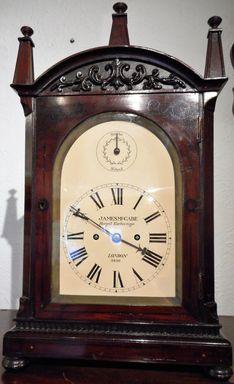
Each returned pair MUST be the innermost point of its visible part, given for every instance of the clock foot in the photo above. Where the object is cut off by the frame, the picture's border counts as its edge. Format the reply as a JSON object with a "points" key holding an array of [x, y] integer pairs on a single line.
{"points": [[14, 363], [222, 373]]}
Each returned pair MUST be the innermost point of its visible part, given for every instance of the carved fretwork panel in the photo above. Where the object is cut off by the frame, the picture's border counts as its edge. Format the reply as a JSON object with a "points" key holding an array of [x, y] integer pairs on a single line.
{"points": [[117, 329], [118, 76]]}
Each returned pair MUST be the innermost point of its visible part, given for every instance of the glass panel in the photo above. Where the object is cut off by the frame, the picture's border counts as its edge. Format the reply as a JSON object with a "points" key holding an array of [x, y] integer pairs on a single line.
{"points": [[115, 237]]}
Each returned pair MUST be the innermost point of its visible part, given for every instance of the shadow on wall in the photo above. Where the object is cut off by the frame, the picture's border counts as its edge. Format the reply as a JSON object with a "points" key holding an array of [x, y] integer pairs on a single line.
{"points": [[232, 60], [13, 233]]}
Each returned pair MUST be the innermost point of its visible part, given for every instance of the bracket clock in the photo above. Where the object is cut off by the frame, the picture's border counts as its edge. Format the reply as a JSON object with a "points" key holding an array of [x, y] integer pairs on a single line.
{"points": [[118, 241]]}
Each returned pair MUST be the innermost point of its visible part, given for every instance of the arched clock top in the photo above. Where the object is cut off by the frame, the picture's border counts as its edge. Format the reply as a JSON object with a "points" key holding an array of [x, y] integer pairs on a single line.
{"points": [[120, 67]]}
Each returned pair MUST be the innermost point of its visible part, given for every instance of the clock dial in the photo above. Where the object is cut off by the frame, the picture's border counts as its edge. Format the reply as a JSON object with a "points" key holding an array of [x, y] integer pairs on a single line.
{"points": [[116, 214], [116, 151], [117, 237]]}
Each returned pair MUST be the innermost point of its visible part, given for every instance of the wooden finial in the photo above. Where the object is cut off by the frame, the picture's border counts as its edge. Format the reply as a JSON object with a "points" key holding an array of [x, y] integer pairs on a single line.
{"points": [[24, 69], [214, 22], [214, 56], [27, 31], [120, 8], [119, 31]]}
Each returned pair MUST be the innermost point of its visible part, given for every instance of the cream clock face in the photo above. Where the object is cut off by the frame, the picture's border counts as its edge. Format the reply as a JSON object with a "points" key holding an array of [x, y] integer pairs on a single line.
{"points": [[116, 238], [116, 215]]}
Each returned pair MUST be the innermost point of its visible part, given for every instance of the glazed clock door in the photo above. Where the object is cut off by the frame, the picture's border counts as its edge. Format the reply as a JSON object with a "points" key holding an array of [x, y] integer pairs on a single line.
{"points": [[115, 224]]}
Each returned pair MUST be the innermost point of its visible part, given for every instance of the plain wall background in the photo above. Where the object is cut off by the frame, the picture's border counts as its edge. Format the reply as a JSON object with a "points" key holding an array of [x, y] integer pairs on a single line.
{"points": [[177, 27]]}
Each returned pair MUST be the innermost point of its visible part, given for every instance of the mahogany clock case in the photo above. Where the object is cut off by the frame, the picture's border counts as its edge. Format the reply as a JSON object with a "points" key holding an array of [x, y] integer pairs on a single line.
{"points": [[117, 82]]}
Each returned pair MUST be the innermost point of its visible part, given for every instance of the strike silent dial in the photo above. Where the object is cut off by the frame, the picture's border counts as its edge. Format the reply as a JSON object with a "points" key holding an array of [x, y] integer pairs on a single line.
{"points": [[116, 151]]}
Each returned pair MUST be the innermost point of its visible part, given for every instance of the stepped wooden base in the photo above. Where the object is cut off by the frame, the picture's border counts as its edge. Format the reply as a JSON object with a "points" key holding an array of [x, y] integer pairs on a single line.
{"points": [[212, 353]]}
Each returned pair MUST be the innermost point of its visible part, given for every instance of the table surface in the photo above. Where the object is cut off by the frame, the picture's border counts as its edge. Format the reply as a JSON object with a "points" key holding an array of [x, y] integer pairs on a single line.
{"points": [[64, 372]]}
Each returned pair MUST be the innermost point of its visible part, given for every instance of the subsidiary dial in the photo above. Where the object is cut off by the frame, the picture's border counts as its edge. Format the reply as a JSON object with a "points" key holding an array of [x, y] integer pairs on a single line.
{"points": [[116, 151]]}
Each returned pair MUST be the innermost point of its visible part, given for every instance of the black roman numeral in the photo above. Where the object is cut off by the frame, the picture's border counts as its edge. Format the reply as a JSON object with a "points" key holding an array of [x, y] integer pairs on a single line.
{"points": [[75, 236], [138, 201], [97, 200], [94, 273], [151, 258], [136, 274], [152, 217], [117, 280], [117, 194], [79, 255], [157, 237]]}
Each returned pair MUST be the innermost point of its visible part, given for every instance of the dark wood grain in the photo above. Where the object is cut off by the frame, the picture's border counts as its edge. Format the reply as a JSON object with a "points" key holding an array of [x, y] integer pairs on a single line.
{"points": [[61, 371], [119, 30], [24, 70], [214, 59], [164, 92]]}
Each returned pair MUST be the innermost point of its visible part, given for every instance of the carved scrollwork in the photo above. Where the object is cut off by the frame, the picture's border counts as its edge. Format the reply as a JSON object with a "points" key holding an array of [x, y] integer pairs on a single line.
{"points": [[119, 75], [154, 81]]}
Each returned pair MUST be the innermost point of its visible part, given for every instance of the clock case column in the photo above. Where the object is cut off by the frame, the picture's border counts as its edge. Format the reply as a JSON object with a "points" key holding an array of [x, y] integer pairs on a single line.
{"points": [[182, 103]]}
